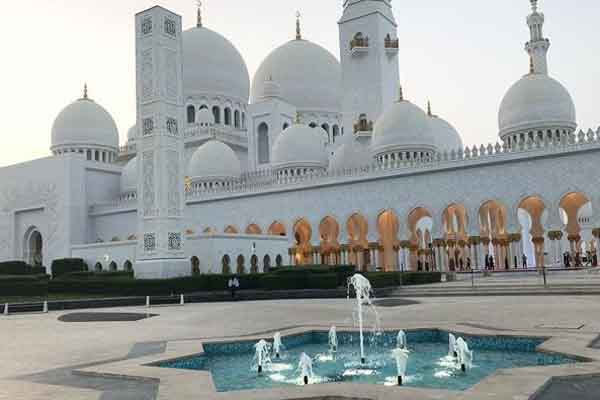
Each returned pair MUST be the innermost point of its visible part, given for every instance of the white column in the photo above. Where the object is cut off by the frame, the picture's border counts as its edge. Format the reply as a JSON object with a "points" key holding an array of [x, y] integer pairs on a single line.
{"points": [[159, 60]]}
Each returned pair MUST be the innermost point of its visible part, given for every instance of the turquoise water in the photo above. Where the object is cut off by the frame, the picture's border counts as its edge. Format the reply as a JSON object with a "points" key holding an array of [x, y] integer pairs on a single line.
{"points": [[429, 366]]}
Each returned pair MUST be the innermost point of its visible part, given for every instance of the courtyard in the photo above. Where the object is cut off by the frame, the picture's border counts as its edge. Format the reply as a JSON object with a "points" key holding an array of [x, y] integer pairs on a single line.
{"points": [[43, 357]]}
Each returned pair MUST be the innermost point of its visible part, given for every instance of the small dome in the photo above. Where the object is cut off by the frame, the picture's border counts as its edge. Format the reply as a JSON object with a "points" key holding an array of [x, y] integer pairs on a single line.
{"points": [[85, 123], [350, 156], [444, 134], [213, 65], [403, 126], [300, 145], [309, 76], [536, 101], [205, 117], [214, 160], [132, 133], [129, 176]]}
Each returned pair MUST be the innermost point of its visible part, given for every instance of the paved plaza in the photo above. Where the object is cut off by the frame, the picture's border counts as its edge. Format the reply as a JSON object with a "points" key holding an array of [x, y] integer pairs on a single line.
{"points": [[39, 352]]}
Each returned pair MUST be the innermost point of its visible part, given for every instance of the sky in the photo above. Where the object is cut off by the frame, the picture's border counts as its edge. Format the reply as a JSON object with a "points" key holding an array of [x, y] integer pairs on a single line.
{"points": [[463, 55]]}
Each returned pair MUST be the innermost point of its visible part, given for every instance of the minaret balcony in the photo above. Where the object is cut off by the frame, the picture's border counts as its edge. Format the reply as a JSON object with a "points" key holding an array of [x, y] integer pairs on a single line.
{"points": [[359, 45], [363, 128], [391, 46]]}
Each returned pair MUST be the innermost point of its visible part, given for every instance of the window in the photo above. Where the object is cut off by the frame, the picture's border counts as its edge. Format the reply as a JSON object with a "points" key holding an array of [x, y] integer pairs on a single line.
{"points": [[191, 114], [98, 267], [217, 114], [236, 119], [243, 120], [128, 266], [112, 266], [336, 132], [279, 260], [285, 126], [227, 116], [313, 125], [263, 143]]}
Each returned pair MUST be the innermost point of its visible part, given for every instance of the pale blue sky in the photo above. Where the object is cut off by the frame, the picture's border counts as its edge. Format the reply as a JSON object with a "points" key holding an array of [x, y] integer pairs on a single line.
{"points": [[461, 54]]}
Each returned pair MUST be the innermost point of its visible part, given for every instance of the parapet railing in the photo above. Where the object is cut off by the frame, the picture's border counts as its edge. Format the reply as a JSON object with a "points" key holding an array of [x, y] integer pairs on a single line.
{"points": [[267, 179]]}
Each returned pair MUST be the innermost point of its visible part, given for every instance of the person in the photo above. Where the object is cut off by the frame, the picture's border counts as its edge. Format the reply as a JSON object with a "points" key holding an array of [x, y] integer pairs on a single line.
{"points": [[487, 261], [492, 266], [236, 284], [577, 260], [461, 263], [468, 263], [516, 262], [231, 288], [524, 261], [506, 263], [419, 265]]}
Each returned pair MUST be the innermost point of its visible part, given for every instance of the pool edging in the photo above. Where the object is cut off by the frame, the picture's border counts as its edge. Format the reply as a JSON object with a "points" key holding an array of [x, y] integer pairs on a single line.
{"points": [[173, 382]]}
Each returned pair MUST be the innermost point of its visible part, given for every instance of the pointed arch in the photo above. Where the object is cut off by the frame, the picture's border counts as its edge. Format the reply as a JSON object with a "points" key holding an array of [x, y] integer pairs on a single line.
{"points": [[253, 229], [329, 231], [277, 229], [302, 241], [388, 227], [231, 230], [357, 228]]}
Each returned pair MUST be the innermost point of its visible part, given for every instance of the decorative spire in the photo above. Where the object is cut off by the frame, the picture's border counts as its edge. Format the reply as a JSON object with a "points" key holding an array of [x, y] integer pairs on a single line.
{"points": [[297, 121], [298, 30], [429, 108], [534, 5], [400, 93], [199, 21], [85, 92], [531, 65]]}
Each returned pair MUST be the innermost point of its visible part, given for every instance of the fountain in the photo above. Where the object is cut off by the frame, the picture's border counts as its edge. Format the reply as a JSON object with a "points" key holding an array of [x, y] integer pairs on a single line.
{"points": [[363, 290], [45, 307], [401, 357], [305, 366], [333, 343], [452, 346], [465, 356], [401, 340], [262, 354], [277, 345], [6, 309]]}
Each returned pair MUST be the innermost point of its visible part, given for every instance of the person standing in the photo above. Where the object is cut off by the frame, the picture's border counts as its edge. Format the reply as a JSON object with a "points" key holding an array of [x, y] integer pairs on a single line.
{"points": [[236, 284], [524, 261], [231, 288]]}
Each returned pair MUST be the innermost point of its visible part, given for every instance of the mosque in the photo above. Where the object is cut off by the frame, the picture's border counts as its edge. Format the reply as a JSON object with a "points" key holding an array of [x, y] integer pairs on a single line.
{"points": [[318, 160]]}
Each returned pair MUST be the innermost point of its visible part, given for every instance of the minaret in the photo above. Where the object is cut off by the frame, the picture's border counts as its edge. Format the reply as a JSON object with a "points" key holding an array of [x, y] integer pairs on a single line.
{"points": [[538, 46], [160, 113], [369, 59]]}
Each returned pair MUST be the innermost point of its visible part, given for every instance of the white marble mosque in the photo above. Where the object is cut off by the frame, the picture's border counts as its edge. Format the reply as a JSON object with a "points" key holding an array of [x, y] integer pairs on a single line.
{"points": [[321, 159]]}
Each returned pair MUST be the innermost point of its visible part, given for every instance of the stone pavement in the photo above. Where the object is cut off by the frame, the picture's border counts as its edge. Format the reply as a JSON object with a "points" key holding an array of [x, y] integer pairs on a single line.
{"points": [[37, 348]]}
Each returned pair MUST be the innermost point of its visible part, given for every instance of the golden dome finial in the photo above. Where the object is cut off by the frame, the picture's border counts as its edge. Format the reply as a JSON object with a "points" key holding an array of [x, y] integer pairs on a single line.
{"points": [[85, 91], [531, 65], [400, 93], [429, 108], [199, 17], [297, 121], [298, 30]]}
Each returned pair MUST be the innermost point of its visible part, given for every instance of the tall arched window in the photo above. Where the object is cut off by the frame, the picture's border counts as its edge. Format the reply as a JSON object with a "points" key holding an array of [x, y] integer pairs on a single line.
{"points": [[263, 143], [241, 268], [278, 260], [336, 132], [98, 267], [227, 116], [236, 119], [243, 120], [191, 114], [112, 266], [128, 266], [217, 114]]}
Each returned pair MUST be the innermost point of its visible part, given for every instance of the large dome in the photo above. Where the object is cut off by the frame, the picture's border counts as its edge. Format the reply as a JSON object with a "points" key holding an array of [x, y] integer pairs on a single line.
{"points": [[350, 156], [309, 77], [403, 126], [85, 123], [212, 65], [444, 134], [214, 160], [300, 145], [536, 101], [129, 176]]}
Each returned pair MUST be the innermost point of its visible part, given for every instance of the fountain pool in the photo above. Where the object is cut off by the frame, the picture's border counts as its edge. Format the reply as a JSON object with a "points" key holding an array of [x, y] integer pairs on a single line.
{"points": [[430, 366]]}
